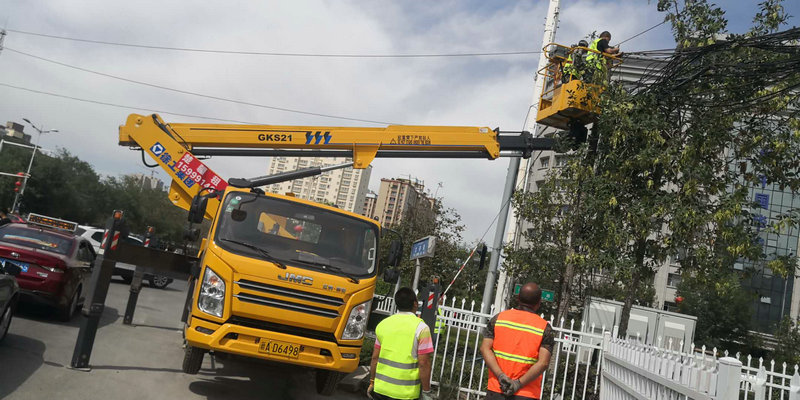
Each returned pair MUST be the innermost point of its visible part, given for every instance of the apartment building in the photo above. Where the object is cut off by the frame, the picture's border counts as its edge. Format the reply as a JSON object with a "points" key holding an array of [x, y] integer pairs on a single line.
{"points": [[345, 188], [396, 199]]}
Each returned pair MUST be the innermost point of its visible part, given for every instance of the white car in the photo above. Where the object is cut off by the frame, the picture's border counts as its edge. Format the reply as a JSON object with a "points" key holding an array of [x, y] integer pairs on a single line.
{"points": [[95, 236]]}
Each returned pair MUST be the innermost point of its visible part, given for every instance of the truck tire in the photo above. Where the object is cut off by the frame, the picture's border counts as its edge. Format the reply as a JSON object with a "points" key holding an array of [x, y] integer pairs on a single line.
{"points": [[192, 359], [327, 381]]}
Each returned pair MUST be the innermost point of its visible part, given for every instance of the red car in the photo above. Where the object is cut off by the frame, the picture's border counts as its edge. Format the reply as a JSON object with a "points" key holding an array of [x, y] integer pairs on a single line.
{"points": [[55, 263]]}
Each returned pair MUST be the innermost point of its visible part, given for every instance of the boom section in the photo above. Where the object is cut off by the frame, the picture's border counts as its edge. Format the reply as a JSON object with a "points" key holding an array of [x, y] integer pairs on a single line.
{"points": [[364, 143]]}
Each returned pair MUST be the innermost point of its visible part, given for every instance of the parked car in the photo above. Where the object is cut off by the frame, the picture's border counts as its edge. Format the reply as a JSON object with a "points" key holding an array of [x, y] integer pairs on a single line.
{"points": [[55, 263], [95, 236], [9, 293]]}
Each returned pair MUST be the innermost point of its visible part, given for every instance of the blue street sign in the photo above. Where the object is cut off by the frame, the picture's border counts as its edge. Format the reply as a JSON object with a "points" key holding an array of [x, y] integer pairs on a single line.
{"points": [[423, 247]]}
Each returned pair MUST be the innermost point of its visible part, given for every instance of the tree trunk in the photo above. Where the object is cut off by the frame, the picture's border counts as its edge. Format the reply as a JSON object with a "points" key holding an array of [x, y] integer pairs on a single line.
{"points": [[565, 295], [630, 293]]}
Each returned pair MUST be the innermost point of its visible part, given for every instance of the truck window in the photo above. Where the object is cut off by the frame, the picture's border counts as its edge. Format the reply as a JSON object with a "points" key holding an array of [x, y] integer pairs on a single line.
{"points": [[298, 234]]}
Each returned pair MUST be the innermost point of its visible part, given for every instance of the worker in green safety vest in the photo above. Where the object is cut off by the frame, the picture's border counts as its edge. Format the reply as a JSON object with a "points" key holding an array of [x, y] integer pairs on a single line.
{"points": [[401, 360], [574, 63], [597, 64], [439, 328]]}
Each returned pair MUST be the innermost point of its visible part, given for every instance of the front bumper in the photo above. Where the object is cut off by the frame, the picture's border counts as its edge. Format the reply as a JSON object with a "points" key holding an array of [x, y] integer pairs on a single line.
{"points": [[242, 340]]}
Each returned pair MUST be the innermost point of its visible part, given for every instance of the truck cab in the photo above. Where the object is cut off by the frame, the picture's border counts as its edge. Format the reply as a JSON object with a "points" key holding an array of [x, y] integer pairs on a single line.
{"points": [[286, 280]]}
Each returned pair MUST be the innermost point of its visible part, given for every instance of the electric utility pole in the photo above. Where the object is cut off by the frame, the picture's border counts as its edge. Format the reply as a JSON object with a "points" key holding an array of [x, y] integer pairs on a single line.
{"points": [[517, 174]]}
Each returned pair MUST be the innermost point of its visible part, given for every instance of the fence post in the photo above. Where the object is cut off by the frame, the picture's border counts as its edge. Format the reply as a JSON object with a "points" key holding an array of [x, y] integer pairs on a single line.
{"points": [[604, 388], [794, 386], [729, 378]]}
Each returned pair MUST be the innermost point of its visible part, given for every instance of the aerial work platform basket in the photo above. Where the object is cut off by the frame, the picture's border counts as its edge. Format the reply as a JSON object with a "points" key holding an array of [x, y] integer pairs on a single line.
{"points": [[571, 97]]}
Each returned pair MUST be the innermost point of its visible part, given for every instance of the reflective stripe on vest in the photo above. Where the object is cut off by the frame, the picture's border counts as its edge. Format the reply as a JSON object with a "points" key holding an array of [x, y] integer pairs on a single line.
{"points": [[518, 334], [397, 372], [439, 325], [592, 57], [569, 67]]}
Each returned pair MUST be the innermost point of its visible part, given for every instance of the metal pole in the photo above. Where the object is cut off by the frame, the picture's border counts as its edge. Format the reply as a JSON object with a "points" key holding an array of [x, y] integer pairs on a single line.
{"points": [[27, 173], [415, 284], [497, 244], [98, 289], [551, 24]]}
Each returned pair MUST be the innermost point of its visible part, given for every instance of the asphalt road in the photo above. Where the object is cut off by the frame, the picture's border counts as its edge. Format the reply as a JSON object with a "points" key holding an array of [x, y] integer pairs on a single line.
{"points": [[134, 362]]}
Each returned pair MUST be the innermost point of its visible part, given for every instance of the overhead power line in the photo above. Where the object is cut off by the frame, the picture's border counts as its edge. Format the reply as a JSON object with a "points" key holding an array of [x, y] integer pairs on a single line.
{"points": [[207, 96], [127, 107], [300, 54], [282, 54], [643, 32]]}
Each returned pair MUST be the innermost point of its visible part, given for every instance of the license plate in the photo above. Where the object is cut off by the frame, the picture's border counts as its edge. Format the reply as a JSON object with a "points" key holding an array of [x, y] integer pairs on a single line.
{"points": [[279, 349], [23, 266]]}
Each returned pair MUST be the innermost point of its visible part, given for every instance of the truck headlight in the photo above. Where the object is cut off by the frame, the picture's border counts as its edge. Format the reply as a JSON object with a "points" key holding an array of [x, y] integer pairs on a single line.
{"points": [[212, 294], [356, 322]]}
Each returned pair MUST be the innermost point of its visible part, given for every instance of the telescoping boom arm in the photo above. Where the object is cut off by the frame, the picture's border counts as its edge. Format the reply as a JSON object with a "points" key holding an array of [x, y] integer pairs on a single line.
{"points": [[175, 146]]}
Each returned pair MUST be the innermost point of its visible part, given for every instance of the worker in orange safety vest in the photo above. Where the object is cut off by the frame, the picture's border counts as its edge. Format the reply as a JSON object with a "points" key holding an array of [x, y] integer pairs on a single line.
{"points": [[516, 347]]}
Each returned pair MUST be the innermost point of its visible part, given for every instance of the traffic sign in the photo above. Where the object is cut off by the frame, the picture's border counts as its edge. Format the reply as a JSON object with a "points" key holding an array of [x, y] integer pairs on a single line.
{"points": [[423, 247], [547, 295]]}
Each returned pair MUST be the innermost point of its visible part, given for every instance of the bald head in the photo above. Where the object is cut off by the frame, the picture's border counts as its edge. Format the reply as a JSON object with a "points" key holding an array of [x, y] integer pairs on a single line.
{"points": [[530, 294]]}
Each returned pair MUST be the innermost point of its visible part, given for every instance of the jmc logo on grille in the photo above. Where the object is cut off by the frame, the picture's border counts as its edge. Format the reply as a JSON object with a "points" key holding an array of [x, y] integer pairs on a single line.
{"points": [[303, 280]]}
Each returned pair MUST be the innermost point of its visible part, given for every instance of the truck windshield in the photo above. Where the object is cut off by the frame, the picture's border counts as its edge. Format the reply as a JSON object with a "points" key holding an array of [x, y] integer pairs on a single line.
{"points": [[297, 234]]}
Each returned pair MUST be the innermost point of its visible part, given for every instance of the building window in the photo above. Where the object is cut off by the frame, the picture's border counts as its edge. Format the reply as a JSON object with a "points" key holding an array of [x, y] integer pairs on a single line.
{"points": [[673, 280], [544, 162], [561, 161]]}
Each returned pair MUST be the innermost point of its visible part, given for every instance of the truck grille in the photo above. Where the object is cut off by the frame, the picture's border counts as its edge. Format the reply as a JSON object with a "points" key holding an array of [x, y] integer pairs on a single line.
{"points": [[288, 305], [281, 328]]}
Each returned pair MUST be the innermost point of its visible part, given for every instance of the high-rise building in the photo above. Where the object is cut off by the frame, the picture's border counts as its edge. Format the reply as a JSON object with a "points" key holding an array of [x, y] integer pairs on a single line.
{"points": [[397, 199], [149, 182], [369, 204], [14, 132], [344, 188]]}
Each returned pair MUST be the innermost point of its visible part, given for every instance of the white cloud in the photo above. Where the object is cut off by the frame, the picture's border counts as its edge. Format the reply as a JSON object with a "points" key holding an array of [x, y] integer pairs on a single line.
{"points": [[489, 91]]}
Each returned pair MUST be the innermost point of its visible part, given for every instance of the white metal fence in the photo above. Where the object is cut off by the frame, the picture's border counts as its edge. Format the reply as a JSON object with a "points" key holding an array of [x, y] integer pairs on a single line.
{"points": [[588, 364], [635, 371], [459, 371]]}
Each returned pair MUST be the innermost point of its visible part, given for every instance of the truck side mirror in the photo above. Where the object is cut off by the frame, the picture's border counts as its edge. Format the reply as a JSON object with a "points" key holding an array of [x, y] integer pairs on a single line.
{"points": [[395, 253], [191, 234], [197, 210], [391, 275]]}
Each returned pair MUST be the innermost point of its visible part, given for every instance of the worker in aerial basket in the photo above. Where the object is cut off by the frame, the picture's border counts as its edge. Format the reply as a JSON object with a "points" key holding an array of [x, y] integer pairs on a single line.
{"points": [[596, 60], [516, 347], [401, 361]]}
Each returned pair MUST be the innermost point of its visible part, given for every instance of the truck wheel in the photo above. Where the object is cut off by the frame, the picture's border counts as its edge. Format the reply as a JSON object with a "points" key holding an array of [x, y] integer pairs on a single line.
{"points": [[327, 381], [192, 359], [159, 282]]}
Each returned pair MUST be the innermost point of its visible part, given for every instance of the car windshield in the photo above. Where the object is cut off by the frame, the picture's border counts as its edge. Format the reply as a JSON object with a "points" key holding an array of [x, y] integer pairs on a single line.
{"points": [[36, 238], [297, 234]]}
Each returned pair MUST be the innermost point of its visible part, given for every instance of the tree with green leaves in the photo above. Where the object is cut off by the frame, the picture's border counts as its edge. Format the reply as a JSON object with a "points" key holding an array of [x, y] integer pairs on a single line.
{"points": [[672, 159]]}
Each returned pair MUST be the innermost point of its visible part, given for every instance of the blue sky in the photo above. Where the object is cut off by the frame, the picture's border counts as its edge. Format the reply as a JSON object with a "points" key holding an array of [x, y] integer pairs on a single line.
{"points": [[490, 91]]}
